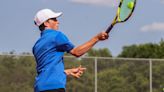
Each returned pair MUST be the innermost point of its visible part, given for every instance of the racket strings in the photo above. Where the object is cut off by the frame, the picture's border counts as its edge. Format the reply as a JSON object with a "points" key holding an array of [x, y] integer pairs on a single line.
{"points": [[125, 12]]}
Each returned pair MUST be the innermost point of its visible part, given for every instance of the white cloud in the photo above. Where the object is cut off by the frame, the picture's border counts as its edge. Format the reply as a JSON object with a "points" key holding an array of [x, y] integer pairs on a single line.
{"points": [[153, 27], [162, 1], [110, 3]]}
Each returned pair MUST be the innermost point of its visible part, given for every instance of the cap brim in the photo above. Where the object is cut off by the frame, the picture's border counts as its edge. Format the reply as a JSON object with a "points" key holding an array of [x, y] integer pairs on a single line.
{"points": [[56, 15]]}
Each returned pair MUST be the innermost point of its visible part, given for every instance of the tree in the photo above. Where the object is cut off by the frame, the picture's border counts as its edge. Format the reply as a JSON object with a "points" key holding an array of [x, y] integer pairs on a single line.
{"points": [[148, 50], [99, 52]]}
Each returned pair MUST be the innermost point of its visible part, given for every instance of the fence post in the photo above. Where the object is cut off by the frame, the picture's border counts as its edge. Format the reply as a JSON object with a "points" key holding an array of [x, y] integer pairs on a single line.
{"points": [[150, 74], [95, 74]]}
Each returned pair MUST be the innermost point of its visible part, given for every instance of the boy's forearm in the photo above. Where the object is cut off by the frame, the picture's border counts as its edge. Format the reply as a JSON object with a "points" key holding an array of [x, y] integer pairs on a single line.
{"points": [[82, 49]]}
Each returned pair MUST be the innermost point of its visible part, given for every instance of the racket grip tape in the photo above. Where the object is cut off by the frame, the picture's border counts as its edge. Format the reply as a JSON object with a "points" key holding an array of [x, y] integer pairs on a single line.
{"points": [[109, 29]]}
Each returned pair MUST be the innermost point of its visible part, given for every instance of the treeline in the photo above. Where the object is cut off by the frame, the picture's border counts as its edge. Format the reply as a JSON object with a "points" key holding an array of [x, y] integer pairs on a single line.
{"points": [[147, 50], [17, 73]]}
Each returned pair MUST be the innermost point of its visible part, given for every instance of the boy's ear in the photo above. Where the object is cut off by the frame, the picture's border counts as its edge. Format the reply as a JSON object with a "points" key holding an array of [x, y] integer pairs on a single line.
{"points": [[46, 23]]}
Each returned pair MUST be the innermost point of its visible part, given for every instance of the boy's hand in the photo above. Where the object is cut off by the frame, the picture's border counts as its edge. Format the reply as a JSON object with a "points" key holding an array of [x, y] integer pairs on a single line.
{"points": [[102, 36]]}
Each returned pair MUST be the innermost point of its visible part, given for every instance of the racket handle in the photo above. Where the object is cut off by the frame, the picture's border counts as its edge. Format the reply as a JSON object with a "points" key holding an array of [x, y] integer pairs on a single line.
{"points": [[109, 29]]}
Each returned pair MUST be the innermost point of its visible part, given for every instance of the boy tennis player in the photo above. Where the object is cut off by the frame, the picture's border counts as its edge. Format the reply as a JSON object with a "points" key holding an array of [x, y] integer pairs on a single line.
{"points": [[49, 50]]}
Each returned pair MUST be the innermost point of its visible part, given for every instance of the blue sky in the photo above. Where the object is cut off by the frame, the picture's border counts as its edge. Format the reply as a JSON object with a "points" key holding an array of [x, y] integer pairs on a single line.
{"points": [[81, 20]]}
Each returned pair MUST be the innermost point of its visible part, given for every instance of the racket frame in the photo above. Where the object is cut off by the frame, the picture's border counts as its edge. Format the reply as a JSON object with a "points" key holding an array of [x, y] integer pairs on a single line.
{"points": [[117, 18]]}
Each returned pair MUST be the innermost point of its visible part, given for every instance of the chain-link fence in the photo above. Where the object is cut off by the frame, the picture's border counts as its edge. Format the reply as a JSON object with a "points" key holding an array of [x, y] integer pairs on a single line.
{"points": [[17, 73], [118, 74]]}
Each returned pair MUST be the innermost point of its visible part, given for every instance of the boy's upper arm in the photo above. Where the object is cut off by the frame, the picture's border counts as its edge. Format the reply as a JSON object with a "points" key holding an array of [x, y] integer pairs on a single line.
{"points": [[63, 43]]}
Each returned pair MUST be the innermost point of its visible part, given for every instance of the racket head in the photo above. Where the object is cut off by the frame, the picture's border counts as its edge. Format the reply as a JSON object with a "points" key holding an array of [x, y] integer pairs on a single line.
{"points": [[124, 12]]}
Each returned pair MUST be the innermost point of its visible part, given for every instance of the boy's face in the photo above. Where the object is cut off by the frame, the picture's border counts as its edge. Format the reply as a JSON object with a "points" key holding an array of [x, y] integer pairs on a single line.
{"points": [[52, 23]]}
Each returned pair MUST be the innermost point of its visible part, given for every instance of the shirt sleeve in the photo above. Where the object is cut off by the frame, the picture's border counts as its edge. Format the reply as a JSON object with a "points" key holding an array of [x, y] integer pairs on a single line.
{"points": [[63, 43]]}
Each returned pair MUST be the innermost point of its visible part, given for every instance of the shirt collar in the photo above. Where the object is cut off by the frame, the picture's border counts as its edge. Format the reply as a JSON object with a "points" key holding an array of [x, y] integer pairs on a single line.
{"points": [[47, 31]]}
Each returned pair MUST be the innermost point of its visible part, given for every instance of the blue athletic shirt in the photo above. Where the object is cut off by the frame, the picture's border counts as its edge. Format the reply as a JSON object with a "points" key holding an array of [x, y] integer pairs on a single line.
{"points": [[48, 52]]}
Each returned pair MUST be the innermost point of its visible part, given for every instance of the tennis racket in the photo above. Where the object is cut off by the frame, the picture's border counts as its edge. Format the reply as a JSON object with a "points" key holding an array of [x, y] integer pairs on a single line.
{"points": [[124, 12]]}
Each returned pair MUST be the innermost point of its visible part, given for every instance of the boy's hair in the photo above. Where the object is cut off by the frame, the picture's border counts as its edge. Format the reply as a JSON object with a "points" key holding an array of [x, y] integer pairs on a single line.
{"points": [[41, 27]]}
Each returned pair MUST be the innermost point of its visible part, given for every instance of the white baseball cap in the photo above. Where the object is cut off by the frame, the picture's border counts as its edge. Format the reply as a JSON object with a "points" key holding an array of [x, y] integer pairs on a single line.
{"points": [[45, 14]]}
